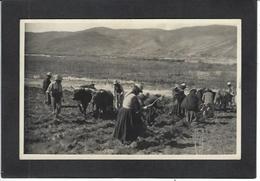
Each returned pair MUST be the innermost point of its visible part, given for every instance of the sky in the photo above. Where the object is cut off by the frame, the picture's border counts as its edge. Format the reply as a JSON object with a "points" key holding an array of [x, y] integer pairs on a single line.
{"points": [[78, 25]]}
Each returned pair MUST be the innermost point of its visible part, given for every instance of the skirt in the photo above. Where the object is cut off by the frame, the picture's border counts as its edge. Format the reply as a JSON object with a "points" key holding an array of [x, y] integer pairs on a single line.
{"points": [[178, 110], [128, 125]]}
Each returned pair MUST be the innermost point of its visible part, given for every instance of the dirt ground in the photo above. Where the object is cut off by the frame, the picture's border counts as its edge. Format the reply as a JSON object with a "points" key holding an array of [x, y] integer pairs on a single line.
{"points": [[73, 134]]}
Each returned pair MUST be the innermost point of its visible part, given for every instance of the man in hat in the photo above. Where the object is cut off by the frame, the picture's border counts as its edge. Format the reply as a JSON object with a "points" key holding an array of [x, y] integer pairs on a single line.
{"points": [[181, 89], [231, 95], [55, 90], [119, 94], [230, 89], [45, 85]]}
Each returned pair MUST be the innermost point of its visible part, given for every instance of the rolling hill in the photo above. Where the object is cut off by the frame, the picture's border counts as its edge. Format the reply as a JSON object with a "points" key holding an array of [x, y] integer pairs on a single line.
{"points": [[215, 43]]}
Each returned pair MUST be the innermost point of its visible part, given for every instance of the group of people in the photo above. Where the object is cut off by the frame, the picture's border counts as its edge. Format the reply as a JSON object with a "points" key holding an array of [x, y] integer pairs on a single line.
{"points": [[129, 124], [53, 92], [203, 100]]}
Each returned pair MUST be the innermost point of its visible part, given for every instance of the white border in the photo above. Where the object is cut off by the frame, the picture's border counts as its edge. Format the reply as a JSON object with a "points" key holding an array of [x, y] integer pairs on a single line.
{"points": [[23, 156]]}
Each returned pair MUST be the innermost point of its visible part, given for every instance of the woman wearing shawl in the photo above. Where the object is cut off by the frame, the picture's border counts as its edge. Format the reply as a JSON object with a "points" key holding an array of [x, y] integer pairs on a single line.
{"points": [[129, 124], [191, 106], [178, 96]]}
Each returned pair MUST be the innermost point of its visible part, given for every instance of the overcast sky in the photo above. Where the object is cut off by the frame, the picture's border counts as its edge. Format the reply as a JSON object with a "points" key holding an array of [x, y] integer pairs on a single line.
{"points": [[77, 25]]}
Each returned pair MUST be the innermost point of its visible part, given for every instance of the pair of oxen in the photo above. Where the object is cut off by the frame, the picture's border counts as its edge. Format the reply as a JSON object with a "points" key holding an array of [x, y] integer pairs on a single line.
{"points": [[101, 100]]}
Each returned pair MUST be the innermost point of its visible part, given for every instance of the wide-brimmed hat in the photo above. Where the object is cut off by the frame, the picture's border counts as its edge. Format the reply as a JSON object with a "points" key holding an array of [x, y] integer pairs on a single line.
{"points": [[58, 77], [183, 85], [139, 86], [48, 74]]}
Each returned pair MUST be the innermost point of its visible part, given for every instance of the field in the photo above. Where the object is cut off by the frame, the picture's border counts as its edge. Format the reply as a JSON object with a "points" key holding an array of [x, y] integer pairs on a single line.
{"points": [[73, 134], [162, 74]]}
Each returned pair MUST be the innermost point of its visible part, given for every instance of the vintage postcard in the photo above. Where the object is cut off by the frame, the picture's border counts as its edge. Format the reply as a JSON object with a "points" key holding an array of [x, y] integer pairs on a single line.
{"points": [[131, 89]]}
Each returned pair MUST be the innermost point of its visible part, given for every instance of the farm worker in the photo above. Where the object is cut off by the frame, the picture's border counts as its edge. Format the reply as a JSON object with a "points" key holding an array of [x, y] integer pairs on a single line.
{"points": [[178, 96], [55, 90], [230, 89], [119, 94], [45, 85], [151, 101], [129, 124], [231, 92], [191, 105], [208, 103]]}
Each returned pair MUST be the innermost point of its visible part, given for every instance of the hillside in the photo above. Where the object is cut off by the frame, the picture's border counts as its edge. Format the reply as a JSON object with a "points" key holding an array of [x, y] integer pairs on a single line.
{"points": [[210, 43]]}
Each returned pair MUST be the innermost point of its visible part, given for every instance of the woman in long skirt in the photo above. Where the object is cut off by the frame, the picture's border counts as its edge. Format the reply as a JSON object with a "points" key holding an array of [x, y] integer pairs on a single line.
{"points": [[178, 97], [129, 124]]}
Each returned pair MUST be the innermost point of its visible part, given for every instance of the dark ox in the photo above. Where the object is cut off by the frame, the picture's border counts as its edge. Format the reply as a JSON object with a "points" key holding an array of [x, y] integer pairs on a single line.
{"points": [[102, 102], [83, 96]]}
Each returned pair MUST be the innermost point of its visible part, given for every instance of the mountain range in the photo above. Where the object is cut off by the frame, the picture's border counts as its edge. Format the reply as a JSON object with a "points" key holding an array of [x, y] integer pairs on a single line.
{"points": [[213, 44]]}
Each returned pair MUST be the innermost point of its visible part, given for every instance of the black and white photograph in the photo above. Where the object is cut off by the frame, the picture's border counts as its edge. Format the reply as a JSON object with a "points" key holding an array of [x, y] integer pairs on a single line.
{"points": [[130, 89]]}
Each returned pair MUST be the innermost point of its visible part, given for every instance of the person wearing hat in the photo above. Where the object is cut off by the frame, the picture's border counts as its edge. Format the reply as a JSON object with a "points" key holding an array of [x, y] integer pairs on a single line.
{"points": [[230, 89], [129, 124], [191, 106], [231, 97], [178, 95], [182, 86], [45, 85], [55, 90], [118, 94]]}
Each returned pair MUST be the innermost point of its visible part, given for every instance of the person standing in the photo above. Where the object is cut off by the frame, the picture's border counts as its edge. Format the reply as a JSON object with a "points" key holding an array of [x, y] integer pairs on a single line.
{"points": [[55, 90], [230, 89], [208, 103], [45, 85], [178, 96], [191, 105], [119, 94], [230, 95], [129, 124]]}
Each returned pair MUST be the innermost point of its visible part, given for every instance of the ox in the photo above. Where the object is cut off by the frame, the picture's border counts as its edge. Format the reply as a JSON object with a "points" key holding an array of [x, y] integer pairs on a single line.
{"points": [[83, 96], [102, 102]]}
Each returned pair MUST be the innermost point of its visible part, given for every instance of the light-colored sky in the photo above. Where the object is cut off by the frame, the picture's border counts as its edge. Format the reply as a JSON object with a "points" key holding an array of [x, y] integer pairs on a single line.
{"points": [[78, 25]]}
